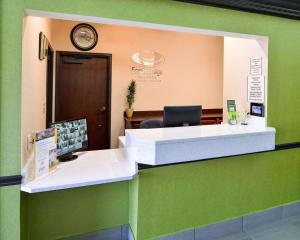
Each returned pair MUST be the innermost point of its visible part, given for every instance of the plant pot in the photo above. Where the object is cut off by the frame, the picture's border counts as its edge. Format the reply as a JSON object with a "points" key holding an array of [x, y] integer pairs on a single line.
{"points": [[129, 112]]}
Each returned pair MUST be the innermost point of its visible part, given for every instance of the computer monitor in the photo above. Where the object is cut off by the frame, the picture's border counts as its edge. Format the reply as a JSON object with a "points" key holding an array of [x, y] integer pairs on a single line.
{"points": [[71, 136], [178, 116]]}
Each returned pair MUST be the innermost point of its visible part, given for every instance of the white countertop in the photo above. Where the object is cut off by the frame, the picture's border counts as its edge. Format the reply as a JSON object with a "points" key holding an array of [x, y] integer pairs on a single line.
{"points": [[90, 168], [154, 147], [161, 146], [175, 134]]}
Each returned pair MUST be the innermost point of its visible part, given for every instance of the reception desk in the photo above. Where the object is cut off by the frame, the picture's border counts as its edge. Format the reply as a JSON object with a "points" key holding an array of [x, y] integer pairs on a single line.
{"points": [[198, 190], [180, 144], [155, 147]]}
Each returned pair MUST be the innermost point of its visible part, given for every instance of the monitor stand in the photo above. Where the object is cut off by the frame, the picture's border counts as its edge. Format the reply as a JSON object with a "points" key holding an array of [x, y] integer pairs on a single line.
{"points": [[67, 158]]}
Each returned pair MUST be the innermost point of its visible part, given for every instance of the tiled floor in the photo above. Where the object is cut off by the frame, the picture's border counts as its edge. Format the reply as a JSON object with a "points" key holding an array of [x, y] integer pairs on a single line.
{"points": [[287, 229]]}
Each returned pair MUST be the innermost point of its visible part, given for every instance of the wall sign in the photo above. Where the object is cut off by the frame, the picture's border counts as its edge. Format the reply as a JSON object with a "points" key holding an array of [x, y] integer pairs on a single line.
{"points": [[256, 66], [146, 74], [256, 89], [147, 63]]}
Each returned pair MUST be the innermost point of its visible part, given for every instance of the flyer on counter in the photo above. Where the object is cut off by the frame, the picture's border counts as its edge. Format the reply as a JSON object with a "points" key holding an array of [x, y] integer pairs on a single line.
{"points": [[45, 151]]}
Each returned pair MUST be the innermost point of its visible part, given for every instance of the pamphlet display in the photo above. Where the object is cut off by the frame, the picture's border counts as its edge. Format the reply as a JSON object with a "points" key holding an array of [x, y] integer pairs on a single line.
{"points": [[231, 109], [44, 151]]}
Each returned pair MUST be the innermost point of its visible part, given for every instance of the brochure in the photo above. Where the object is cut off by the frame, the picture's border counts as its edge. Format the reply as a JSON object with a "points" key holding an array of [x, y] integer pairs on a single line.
{"points": [[45, 151], [231, 109]]}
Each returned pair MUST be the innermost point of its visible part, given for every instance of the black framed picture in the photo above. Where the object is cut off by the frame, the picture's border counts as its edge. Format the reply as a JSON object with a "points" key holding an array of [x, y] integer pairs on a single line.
{"points": [[42, 40], [43, 46]]}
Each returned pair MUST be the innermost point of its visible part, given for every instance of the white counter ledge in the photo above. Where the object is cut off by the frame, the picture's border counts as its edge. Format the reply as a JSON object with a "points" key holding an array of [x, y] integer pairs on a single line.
{"points": [[170, 145], [90, 168]]}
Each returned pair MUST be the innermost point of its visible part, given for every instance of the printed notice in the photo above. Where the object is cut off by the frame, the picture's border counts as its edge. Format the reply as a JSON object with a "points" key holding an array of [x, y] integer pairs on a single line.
{"points": [[256, 66], [45, 151], [256, 89]]}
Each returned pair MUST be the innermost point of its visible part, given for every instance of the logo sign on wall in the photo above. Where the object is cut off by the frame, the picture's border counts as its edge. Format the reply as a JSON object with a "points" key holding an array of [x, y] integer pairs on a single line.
{"points": [[256, 89], [147, 65], [144, 74]]}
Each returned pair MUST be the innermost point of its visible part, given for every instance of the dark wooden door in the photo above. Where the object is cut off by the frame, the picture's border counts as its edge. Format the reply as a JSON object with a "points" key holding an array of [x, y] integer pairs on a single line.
{"points": [[83, 90]]}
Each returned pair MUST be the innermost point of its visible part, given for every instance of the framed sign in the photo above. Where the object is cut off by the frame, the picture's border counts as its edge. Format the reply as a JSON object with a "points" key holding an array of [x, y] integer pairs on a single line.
{"points": [[256, 89]]}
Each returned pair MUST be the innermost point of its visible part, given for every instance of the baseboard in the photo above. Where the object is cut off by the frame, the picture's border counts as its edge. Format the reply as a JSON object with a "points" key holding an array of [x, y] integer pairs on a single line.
{"points": [[209, 232], [237, 225]]}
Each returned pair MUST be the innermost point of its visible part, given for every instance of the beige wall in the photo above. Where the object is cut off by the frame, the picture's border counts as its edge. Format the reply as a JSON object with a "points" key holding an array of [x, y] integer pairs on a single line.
{"points": [[237, 54], [192, 73], [198, 69], [33, 79]]}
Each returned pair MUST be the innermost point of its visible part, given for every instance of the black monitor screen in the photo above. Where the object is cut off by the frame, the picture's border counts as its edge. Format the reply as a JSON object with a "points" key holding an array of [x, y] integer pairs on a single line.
{"points": [[177, 116], [71, 136], [257, 109]]}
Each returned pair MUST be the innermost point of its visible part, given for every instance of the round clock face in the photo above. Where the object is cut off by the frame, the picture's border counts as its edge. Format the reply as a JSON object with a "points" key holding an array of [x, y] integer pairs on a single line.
{"points": [[84, 37]]}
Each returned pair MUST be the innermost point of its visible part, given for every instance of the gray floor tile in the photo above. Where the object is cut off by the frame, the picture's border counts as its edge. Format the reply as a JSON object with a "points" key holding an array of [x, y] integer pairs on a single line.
{"points": [[186, 235], [288, 229], [282, 233], [218, 230], [129, 234], [236, 236], [291, 210], [266, 228], [125, 232], [257, 219]]}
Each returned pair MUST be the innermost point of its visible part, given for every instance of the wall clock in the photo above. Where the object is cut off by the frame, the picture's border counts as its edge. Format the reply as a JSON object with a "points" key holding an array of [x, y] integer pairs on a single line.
{"points": [[84, 37]]}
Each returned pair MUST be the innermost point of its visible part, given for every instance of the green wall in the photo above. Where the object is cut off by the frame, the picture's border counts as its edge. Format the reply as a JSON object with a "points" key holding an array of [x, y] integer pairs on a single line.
{"points": [[178, 197], [10, 86], [284, 50], [64, 213], [10, 105], [284, 53], [10, 213]]}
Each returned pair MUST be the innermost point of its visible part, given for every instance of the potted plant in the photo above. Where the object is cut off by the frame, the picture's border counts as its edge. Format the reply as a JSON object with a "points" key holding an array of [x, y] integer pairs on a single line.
{"points": [[130, 98]]}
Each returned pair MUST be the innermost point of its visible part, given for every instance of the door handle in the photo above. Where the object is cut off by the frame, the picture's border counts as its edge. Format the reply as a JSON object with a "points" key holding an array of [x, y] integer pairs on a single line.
{"points": [[100, 111]]}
